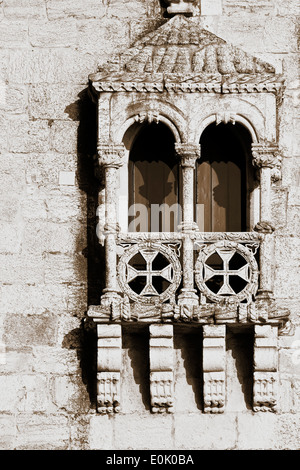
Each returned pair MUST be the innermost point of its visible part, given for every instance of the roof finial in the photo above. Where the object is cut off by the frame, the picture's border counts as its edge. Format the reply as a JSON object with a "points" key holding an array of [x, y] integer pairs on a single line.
{"points": [[183, 7]]}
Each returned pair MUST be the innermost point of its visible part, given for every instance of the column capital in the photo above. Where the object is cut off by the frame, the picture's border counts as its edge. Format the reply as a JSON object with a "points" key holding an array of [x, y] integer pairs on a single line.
{"points": [[188, 153], [111, 155], [266, 155]]}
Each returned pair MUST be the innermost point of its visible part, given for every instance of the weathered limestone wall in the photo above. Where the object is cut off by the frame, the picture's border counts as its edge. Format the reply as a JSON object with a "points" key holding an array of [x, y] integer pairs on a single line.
{"points": [[51, 267]]}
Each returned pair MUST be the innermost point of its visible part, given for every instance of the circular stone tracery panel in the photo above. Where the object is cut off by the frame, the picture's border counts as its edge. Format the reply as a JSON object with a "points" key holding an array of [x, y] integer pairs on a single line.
{"points": [[149, 270], [225, 269]]}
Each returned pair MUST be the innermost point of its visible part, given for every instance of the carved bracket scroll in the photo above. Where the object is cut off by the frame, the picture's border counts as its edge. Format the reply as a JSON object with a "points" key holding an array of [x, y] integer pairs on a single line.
{"points": [[265, 368], [108, 368], [214, 368], [161, 368]]}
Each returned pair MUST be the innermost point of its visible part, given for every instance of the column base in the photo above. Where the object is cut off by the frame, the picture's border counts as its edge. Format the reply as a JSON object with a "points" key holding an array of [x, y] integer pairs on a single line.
{"points": [[188, 297], [109, 297]]}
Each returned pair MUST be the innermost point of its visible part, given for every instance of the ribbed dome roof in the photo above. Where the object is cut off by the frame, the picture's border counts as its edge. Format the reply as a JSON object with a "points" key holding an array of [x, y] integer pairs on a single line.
{"points": [[180, 50]]}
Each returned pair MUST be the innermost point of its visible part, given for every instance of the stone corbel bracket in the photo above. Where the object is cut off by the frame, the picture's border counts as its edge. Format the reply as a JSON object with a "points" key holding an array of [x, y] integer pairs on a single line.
{"points": [[161, 368], [108, 368], [214, 368], [265, 368]]}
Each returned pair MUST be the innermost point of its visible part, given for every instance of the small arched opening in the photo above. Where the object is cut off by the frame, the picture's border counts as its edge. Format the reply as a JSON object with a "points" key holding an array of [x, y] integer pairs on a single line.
{"points": [[225, 179], [153, 180]]}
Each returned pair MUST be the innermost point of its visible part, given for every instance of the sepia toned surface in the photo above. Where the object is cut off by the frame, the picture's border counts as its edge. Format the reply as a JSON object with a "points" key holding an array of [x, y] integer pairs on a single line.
{"points": [[52, 267]]}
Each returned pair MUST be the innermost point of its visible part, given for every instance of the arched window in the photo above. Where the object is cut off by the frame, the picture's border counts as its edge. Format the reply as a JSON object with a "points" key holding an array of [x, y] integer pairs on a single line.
{"points": [[153, 180], [224, 179]]}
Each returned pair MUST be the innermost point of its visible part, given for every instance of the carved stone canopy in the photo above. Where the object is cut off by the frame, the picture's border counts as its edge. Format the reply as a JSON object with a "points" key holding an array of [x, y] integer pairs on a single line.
{"points": [[182, 56]]}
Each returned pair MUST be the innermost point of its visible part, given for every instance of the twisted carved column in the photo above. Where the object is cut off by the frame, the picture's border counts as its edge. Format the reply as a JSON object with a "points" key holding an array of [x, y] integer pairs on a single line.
{"points": [[188, 154], [111, 158], [266, 157]]}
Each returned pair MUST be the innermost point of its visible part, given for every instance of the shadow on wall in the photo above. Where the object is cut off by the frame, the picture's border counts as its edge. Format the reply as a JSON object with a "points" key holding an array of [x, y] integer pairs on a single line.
{"points": [[84, 111]]}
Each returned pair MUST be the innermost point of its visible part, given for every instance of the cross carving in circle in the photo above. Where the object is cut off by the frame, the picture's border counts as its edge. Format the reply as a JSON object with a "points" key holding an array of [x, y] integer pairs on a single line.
{"points": [[149, 256], [226, 272]]}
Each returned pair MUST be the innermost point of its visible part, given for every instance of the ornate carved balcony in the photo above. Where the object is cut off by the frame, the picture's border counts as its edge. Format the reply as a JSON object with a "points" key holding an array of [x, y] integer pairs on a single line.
{"points": [[226, 280]]}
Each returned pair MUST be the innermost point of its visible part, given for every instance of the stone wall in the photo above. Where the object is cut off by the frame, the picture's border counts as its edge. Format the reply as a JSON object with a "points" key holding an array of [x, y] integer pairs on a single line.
{"points": [[51, 267]]}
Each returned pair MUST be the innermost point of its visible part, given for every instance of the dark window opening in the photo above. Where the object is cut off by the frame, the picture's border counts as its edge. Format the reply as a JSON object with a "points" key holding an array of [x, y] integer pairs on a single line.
{"points": [[224, 179], [153, 181]]}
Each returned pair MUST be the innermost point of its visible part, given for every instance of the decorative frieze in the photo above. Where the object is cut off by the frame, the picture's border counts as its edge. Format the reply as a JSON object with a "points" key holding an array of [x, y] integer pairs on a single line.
{"points": [[214, 368], [265, 368], [108, 368], [161, 368]]}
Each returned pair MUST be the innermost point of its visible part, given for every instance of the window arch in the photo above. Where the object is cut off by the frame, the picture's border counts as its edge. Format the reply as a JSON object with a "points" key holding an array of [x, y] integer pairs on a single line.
{"points": [[153, 182], [224, 179]]}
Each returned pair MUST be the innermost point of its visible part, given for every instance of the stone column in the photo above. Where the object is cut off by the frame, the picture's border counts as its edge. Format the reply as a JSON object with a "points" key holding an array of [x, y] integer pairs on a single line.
{"points": [[161, 368], [266, 158], [214, 368], [109, 361], [111, 157], [265, 368], [188, 154]]}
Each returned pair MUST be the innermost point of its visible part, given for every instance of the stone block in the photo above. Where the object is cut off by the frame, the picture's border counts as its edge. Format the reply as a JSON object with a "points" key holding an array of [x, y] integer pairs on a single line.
{"points": [[65, 268], [81, 9], [13, 34], [24, 393], [22, 331], [53, 102], [49, 360], [28, 136], [64, 136], [24, 9], [287, 432], [96, 36], [13, 99], [240, 7], [211, 7], [127, 9], [69, 393], [287, 8], [57, 65], [44, 169], [33, 299], [65, 207], [257, 431], [42, 432], [201, 432], [101, 433], [289, 361], [187, 394], [7, 431], [61, 33], [10, 238], [21, 269], [143, 431]]}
